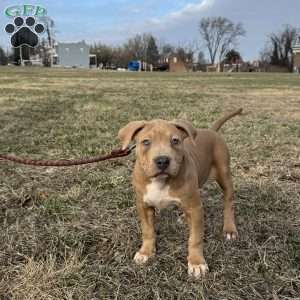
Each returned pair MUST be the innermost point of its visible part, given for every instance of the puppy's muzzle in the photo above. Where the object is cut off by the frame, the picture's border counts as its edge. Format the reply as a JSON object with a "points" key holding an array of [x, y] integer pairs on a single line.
{"points": [[162, 162]]}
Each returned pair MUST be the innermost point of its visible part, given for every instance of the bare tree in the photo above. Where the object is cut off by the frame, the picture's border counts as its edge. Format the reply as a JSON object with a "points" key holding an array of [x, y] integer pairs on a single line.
{"points": [[3, 57], [185, 54], [137, 46], [167, 49], [220, 35], [104, 54], [278, 50], [282, 46], [201, 58], [265, 55]]}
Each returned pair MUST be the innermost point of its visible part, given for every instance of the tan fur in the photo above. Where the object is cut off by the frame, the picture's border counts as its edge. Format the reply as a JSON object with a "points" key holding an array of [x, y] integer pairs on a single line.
{"points": [[199, 154]]}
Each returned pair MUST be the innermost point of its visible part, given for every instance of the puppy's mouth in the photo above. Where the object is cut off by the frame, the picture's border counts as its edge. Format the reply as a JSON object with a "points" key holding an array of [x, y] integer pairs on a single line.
{"points": [[161, 174]]}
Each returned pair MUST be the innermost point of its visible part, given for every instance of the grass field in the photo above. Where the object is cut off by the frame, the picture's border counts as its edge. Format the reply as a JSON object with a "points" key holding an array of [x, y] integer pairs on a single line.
{"points": [[71, 233]]}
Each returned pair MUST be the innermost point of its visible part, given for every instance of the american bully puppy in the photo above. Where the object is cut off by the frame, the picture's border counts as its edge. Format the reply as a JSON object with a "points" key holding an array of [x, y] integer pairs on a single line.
{"points": [[173, 161]]}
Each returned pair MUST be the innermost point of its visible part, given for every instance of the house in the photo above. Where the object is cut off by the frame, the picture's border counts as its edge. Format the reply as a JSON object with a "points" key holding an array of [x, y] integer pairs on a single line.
{"points": [[72, 55], [296, 54], [176, 64]]}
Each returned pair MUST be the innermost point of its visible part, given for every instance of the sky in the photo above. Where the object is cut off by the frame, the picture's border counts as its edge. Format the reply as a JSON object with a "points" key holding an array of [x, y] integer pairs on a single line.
{"points": [[171, 21]]}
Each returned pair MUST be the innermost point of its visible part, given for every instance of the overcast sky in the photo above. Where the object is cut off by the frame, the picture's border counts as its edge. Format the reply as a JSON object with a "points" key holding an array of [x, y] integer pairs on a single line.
{"points": [[174, 21]]}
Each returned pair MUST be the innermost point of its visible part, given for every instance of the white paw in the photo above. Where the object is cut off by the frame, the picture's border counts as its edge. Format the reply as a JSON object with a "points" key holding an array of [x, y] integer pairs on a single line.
{"points": [[140, 259], [230, 236], [197, 271]]}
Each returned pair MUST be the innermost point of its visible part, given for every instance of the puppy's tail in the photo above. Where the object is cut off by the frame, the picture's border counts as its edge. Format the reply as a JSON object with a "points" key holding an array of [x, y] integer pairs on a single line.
{"points": [[218, 124]]}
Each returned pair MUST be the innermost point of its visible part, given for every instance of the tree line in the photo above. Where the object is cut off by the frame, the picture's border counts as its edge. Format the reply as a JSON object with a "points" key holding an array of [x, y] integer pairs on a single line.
{"points": [[219, 36], [144, 47]]}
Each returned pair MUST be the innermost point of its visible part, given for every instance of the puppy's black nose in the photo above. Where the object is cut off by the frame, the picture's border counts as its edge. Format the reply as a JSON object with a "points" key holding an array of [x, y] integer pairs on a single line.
{"points": [[162, 162]]}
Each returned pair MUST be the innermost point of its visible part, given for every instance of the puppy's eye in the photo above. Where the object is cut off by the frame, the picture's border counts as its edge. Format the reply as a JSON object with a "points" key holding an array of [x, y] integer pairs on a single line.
{"points": [[146, 142], [175, 141]]}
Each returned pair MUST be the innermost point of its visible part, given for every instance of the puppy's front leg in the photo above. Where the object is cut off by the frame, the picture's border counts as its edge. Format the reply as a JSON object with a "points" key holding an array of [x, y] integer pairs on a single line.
{"points": [[146, 215], [197, 266]]}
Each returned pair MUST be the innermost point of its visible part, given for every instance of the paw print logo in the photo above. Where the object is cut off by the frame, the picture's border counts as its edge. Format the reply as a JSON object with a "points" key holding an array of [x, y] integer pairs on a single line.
{"points": [[24, 32]]}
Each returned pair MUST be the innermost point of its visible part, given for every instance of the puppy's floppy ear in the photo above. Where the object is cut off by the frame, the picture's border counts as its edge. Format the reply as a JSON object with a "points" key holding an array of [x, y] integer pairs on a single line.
{"points": [[128, 133], [187, 128]]}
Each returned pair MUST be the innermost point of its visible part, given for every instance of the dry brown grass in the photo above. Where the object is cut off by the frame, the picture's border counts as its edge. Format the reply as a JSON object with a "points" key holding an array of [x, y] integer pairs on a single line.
{"points": [[72, 233]]}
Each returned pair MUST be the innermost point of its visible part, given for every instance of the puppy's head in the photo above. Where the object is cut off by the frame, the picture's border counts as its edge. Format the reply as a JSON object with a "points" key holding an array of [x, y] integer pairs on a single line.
{"points": [[159, 145]]}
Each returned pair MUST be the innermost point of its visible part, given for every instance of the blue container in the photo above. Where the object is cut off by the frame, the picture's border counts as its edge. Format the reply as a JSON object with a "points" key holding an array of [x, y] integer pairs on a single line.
{"points": [[134, 65]]}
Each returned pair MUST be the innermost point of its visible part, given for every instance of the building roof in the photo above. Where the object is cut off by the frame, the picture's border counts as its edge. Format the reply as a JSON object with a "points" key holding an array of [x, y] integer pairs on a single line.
{"points": [[70, 44]]}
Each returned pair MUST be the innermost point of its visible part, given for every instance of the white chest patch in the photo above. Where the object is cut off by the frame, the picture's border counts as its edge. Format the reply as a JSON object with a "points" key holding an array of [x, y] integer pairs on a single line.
{"points": [[157, 195]]}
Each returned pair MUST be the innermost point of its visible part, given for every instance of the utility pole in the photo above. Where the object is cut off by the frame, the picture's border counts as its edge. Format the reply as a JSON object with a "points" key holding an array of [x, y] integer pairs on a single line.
{"points": [[50, 42], [21, 56]]}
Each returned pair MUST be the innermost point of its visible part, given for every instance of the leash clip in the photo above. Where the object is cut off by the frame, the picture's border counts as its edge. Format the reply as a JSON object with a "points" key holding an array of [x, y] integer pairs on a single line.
{"points": [[130, 148]]}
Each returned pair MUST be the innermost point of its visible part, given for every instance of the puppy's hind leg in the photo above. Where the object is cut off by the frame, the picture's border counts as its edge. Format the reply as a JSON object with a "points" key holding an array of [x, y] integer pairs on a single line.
{"points": [[223, 177], [229, 228]]}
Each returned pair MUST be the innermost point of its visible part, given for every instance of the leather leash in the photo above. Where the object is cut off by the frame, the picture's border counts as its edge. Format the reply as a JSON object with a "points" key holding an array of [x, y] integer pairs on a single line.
{"points": [[68, 162]]}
